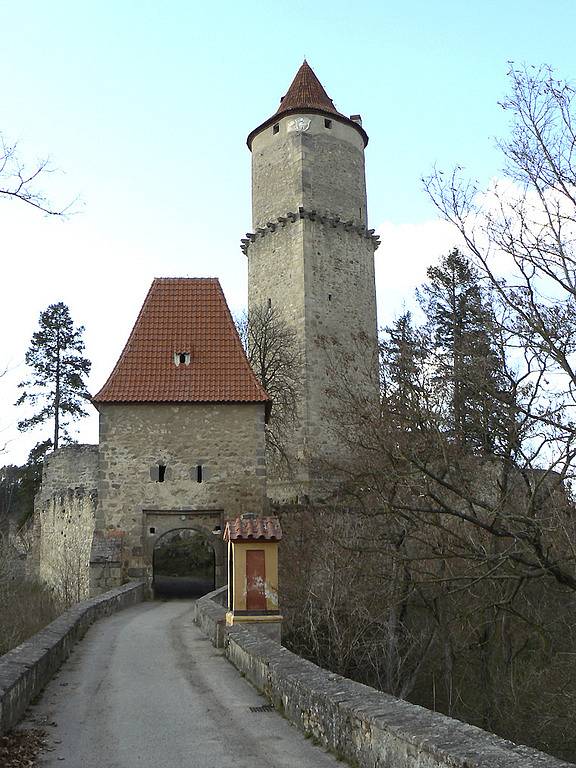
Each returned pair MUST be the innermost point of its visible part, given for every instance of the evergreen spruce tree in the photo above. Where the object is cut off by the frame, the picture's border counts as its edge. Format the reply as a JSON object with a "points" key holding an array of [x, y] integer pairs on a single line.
{"points": [[59, 368], [402, 372], [469, 366]]}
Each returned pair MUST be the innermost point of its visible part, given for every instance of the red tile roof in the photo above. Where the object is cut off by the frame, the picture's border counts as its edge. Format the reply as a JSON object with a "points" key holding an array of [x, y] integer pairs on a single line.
{"points": [[183, 315], [306, 95], [252, 528]]}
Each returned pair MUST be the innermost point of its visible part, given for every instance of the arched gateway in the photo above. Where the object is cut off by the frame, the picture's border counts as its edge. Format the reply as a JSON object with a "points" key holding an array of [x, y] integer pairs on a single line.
{"points": [[184, 563]]}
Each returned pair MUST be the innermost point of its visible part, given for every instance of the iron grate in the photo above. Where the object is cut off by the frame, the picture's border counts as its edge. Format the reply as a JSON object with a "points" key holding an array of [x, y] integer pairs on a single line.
{"points": [[263, 708]]}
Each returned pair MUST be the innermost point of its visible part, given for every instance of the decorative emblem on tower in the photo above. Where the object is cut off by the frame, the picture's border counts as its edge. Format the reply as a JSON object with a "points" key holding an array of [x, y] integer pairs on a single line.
{"points": [[299, 124]]}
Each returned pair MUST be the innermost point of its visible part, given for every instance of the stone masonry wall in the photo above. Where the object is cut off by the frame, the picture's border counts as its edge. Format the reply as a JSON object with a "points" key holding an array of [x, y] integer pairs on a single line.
{"points": [[72, 466], [64, 514], [341, 331], [321, 280], [227, 440], [320, 168]]}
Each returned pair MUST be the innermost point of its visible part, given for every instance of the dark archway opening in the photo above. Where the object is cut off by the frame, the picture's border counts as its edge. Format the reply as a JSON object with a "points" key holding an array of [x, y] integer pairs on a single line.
{"points": [[183, 564]]}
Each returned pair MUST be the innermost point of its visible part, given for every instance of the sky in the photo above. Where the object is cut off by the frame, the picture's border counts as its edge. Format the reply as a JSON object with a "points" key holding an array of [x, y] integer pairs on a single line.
{"points": [[144, 107]]}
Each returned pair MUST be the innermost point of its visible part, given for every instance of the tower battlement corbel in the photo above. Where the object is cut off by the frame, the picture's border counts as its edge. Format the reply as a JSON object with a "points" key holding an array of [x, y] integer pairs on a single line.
{"points": [[334, 222]]}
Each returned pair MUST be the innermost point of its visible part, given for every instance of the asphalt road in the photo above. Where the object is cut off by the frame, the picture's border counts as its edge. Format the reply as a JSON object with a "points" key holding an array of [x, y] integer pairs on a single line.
{"points": [[145, 689]]}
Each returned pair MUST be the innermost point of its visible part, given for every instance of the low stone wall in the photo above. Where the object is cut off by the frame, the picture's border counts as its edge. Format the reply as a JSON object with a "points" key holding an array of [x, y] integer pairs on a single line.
{"points": [[210, 615], [26, 669], [358, 723]]}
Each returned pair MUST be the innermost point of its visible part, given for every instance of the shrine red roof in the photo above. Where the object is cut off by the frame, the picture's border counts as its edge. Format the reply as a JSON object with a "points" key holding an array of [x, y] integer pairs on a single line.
{"points": [[183, 348], [252, 528]]}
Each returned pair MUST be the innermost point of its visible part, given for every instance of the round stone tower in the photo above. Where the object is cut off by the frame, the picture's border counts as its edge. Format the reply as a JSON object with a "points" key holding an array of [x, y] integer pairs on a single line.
{"points": [[311, 259]]}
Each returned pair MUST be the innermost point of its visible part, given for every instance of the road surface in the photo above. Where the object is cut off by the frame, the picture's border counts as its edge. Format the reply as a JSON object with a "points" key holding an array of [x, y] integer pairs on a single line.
{"points": [[145, 689]]}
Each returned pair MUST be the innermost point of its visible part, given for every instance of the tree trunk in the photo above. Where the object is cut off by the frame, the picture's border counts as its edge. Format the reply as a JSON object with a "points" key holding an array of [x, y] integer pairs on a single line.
{"points": [[57, 393]]}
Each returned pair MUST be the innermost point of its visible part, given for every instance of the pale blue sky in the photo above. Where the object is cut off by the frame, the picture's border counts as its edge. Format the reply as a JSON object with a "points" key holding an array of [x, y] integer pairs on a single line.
{"points": [[146, 107]]}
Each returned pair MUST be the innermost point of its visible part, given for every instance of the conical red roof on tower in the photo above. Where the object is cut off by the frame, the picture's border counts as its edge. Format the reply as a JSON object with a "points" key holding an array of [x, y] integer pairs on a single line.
{"points": [[306, 92], [306, 95]]}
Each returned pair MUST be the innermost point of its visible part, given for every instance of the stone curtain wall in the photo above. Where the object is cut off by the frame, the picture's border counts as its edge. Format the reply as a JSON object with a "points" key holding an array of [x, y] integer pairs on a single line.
{"points": [[368, 728], [67, 527], [64, 517], [25, 670], [227, 439]]}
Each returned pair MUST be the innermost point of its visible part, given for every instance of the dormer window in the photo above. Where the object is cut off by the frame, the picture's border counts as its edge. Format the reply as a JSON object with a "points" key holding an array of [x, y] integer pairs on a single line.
{"points": [[181, 358]]}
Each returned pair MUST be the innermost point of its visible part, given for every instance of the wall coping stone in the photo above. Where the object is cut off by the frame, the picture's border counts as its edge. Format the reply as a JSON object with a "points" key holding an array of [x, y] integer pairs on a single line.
{"points": [[26, 669], [210, 615]]}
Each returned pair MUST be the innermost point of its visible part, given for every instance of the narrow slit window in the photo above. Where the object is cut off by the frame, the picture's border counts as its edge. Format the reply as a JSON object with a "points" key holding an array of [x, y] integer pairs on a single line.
{"points": [[329, 297], [199, 473], [161, 472], [327, 123], [269, 303], [276, 128]]}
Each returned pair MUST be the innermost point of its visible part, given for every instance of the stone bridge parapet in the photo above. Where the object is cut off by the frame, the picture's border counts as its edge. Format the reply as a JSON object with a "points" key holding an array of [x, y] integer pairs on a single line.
{"points": [[26, 669], [368, 728]]}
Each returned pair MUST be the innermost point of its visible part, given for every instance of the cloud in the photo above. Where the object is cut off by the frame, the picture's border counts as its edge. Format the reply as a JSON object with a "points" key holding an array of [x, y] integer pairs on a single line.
{"points": [[407, 250]]}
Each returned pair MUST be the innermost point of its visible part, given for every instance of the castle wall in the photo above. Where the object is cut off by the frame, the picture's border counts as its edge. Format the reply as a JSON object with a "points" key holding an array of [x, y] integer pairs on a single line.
{"points": [[64, 514], [226, 439]]}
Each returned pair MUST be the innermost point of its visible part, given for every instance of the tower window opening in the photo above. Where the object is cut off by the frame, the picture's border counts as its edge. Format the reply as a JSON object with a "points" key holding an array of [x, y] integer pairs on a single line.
{"points": [[329, 297], [327, 123], [182, 358], [161, 472], [276, 128], [199, 473], [269, 303], [152, 529]]}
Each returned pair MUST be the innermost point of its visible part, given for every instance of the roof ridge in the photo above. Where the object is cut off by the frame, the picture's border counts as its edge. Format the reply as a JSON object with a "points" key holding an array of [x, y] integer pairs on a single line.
{"points": [[186, 279]]}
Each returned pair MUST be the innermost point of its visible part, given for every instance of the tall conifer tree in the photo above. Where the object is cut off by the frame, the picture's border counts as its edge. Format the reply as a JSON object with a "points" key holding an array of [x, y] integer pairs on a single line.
{"points": [[57, 385], [402, 368], [469, 366]]}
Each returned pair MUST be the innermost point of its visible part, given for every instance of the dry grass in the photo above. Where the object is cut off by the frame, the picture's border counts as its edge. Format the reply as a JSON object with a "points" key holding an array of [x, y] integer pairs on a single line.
{"points": [[25, 608]]}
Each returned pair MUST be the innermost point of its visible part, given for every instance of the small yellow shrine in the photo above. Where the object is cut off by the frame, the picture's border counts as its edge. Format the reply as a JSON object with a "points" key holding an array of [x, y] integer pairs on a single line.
{"points": [[253, 572]]}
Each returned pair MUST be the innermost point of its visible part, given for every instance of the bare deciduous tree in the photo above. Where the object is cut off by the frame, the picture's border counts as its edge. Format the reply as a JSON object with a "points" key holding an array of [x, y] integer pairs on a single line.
{"points": [[468, 545], [521, 234], [19, 181], [273, 353]]}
